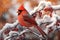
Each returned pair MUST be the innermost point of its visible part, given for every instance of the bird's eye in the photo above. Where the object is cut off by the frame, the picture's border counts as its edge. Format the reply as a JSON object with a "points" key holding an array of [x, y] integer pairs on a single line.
{"points": [[19, 12]]}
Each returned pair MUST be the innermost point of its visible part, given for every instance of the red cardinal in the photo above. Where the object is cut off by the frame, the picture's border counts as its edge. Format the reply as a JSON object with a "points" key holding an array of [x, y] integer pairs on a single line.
{"points": [[26, 20]]}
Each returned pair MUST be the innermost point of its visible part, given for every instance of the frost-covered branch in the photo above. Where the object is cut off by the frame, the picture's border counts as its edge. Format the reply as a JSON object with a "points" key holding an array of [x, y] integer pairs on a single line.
{"points": [[9, 25]]}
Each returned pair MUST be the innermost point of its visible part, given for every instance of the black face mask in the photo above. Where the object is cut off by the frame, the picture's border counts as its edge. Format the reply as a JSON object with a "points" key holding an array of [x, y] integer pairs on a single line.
{"points": [[19, 12]]}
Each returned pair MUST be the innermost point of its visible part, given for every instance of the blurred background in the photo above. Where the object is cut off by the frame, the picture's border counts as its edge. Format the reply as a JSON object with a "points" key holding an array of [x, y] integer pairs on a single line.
{"points": [[8, 9]]}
